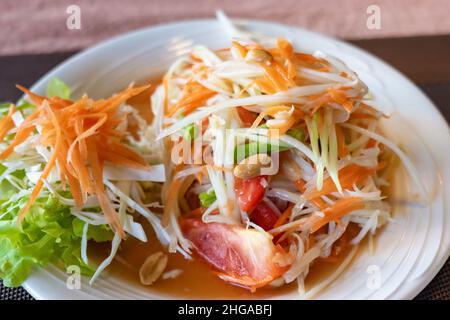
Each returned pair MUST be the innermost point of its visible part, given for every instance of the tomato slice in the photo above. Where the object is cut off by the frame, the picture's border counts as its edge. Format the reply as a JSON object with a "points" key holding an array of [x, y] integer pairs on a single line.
{"points": [[264, 216], [241, 256], [250, 192]]}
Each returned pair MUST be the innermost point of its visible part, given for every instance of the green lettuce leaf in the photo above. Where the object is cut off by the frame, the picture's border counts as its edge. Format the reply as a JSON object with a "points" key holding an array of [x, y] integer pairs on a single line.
{"points": [[49, 233], [57, 88], [207, 198]]}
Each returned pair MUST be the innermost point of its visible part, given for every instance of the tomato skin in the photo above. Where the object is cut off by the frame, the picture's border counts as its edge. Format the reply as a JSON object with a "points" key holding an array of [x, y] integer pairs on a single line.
{"points": [[250, 192], [264, 216], [240, 256]]}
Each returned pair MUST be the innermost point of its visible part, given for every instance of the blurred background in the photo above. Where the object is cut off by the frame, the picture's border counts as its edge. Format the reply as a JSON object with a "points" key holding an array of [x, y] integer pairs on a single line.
{"points": [[39, 26]]}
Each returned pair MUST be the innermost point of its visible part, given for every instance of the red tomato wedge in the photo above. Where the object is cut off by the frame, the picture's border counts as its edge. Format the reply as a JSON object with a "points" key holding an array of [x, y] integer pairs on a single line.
{"points": [[244, 257], [264, 216], [250, 191]]}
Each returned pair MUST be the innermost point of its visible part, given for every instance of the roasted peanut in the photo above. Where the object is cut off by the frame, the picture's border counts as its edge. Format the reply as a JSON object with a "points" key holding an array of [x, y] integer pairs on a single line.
{"points": [[153, 267], [251, 167]]}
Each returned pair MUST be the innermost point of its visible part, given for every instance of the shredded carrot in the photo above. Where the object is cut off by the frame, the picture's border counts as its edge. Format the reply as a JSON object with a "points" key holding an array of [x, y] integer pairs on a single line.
{"points": [[22, 134], [279, 73], [361, 115], [266, 86], [166, 94], [277, 76], [194, 95], [310, 61], [7, 122], [319, 102], [331, 95], [284, 216], [287, 52], [348, 176], [37, 99], [339, 209], [82, 135], [300, 185], [96, 166], [50, 164], [340, 97]]}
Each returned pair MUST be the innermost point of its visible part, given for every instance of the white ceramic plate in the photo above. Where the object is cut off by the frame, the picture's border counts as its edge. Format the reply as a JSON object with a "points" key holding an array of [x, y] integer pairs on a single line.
{"points": [[409, 251]]}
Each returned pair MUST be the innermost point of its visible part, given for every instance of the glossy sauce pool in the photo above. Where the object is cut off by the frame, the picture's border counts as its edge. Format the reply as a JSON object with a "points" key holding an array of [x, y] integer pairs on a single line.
{"points": [[198, 280]]}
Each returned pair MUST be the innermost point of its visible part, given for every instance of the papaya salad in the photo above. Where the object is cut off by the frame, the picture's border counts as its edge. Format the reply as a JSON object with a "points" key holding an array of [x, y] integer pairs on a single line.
{"points": [[258, 160]]}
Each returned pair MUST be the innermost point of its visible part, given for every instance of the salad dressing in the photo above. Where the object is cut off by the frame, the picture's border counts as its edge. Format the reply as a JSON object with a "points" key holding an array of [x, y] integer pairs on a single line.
{"points": [[197, 281]]}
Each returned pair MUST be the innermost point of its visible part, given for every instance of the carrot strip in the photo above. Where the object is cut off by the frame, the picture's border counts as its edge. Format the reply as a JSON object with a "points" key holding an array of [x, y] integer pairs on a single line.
{"points": [[120, 160], [7, 123], [19, 138], [340, 97], [34, 97], [97, 175], [348, 176], [275, 75], [284, 216], [300, 185], [339, 209], [194, 95], [102, 117], [127, 153], [49, 165]]}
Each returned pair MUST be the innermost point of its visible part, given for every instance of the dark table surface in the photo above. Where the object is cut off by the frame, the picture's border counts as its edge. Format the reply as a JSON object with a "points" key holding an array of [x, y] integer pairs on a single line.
{"points": [[425, 60]]}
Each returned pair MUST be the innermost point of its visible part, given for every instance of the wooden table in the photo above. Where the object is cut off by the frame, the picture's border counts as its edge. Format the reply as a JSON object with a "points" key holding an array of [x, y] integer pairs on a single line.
{"points": [[425, 60]]}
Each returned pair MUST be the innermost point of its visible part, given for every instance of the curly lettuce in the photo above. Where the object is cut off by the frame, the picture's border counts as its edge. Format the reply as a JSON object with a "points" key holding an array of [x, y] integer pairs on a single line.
{"points": [[48, 234]]}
